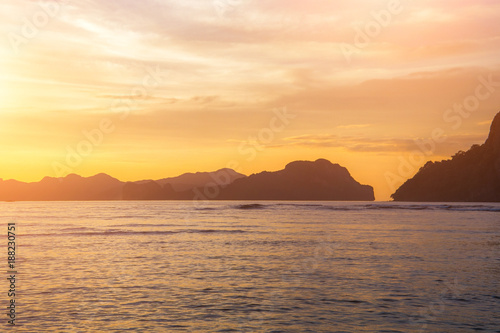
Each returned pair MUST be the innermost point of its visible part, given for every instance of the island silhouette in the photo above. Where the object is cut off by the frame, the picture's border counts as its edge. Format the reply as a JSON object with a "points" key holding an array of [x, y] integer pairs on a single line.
{"points": [[300, 180], [472, 176]]}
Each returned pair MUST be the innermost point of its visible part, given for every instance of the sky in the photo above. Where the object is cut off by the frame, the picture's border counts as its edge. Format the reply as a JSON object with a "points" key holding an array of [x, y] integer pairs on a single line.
{"points": [[155, 88]]}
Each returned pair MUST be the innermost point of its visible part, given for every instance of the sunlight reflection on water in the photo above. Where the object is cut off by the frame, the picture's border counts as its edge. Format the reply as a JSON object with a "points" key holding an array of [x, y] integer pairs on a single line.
{"points": [[272, 267]]}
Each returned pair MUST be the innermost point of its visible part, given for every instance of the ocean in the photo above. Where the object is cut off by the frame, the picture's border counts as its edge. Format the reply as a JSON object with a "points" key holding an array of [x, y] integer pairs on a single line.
{"points": [[226, 266]]}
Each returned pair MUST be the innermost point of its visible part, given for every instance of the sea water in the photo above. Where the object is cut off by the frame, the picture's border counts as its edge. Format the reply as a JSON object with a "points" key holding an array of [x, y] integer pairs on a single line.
{"points": [[179, 266]]}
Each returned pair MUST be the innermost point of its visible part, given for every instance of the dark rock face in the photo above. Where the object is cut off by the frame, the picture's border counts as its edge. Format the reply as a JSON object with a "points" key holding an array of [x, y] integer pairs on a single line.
{"points": [[300, 180], [472, 176], [493, 141]]}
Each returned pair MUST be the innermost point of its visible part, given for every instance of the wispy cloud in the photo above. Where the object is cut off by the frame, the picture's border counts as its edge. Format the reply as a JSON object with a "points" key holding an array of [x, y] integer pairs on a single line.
{"points": [[382, 145], [353, 126]]}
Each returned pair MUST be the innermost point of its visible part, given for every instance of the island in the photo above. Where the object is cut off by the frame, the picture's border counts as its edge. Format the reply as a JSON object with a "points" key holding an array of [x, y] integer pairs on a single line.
{"points": [[299, 180], [472, 176]]}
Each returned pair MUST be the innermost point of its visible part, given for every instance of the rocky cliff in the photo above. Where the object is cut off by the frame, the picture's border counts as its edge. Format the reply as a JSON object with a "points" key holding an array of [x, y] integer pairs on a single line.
{"points": [[472, 176]]}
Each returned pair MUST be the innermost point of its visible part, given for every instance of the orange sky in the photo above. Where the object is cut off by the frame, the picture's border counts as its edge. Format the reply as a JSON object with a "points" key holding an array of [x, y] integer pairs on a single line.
{"points": [[165, 87]]}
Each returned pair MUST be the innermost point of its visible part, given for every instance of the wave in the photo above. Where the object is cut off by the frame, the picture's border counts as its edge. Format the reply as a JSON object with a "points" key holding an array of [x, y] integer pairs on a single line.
{"points": [[128, 232], [459, 207], [251, 206], [437, 207]]}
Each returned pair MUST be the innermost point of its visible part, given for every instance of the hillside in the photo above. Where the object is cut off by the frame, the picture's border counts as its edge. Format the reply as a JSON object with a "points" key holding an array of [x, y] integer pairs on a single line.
{"points": [[472, 176]]}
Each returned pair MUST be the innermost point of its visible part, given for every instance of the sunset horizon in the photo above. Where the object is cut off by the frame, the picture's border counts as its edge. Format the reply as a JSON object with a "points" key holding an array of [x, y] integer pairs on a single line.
{"points": [[185, 87], [250, 166]]}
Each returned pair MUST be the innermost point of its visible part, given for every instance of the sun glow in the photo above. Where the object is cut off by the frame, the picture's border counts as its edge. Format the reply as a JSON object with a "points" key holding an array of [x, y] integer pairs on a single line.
{"points": [[5, 89], [219, 74], [4, 94]]}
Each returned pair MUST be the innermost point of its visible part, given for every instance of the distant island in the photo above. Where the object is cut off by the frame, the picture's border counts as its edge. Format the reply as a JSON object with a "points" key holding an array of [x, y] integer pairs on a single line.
{"points": [[472, 176], [300, 180]]}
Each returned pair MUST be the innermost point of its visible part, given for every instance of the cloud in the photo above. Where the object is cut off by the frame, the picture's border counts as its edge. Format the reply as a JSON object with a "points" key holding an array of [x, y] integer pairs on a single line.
{"points": [[451, 144], [352, 143], [353, 126], [422, 97]]}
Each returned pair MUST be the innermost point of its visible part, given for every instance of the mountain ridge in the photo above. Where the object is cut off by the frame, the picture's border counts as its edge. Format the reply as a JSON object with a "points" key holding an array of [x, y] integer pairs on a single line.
{"points": [[299, 180]]}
